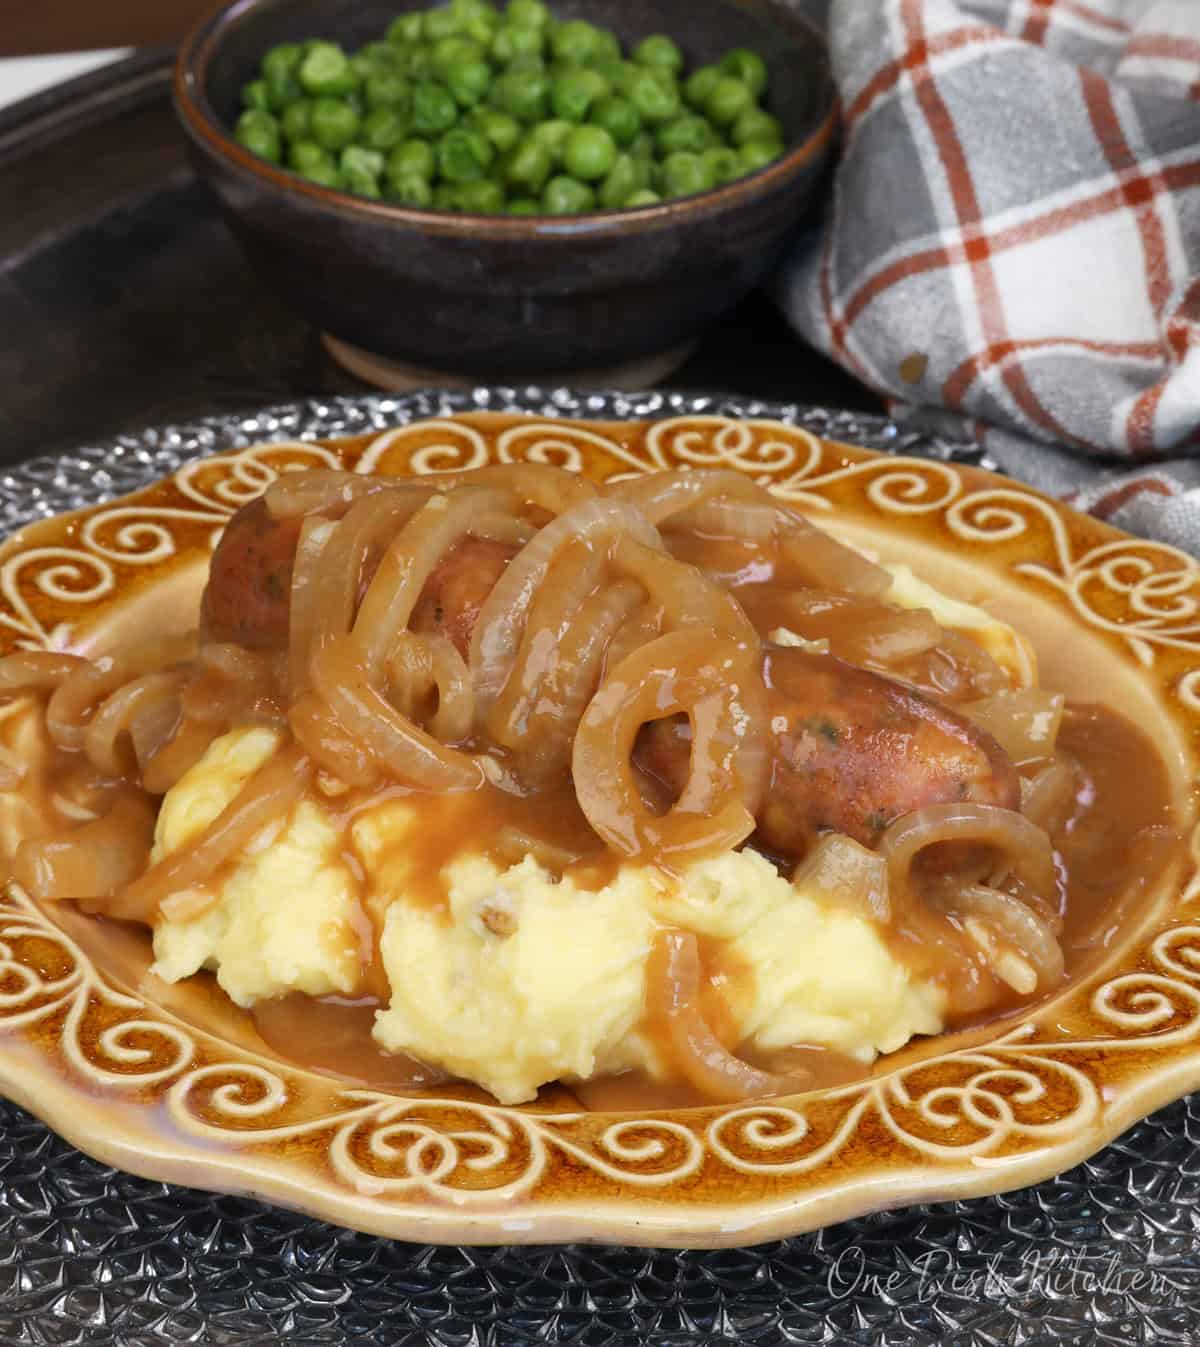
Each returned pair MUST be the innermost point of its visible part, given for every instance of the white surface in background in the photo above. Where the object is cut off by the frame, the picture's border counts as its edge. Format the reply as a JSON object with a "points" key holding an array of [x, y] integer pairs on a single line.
{"points": [[21, 76]]}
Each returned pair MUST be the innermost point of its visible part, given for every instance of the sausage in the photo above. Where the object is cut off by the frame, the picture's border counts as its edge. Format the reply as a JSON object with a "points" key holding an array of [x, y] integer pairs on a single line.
{"points": [[457, 587], [851, 751], [250, 580], [249, 585]]}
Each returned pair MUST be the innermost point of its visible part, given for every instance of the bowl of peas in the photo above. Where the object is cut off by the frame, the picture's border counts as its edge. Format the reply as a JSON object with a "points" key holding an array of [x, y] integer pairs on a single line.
{"points": [[537, 189]]}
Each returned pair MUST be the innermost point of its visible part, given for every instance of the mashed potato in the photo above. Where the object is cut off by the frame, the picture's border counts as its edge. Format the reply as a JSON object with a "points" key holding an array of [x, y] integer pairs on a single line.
{"points": [[519, 978]]}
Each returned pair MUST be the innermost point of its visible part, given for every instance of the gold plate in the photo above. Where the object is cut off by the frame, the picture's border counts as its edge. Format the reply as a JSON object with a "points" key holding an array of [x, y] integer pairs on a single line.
{"points": [[140, 1083]]}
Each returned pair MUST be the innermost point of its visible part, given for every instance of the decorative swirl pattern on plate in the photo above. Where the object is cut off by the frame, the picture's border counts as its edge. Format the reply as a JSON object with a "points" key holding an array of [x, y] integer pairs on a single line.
{"points": [[1030, 1092], [1153, 588]]}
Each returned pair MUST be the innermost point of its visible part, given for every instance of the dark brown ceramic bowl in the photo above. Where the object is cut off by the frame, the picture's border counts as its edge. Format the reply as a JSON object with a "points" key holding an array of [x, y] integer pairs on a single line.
{"points": [[618, 295]]}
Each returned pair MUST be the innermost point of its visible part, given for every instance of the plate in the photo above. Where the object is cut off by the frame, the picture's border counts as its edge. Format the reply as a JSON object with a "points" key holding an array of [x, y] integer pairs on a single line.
{"points": [[129, 1081]]}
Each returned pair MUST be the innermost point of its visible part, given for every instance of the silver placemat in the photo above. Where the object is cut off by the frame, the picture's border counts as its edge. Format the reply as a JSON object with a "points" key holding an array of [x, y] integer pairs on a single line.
{"points": [[1106, 1253]]}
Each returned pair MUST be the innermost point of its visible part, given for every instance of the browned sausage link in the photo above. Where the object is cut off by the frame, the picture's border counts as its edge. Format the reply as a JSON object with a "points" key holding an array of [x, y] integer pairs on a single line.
{"points": [[250, 580], [851, 751], [456, 590]]}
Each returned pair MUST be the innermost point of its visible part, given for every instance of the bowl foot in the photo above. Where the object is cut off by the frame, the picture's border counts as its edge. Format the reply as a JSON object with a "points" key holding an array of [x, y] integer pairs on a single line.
{"points": [[398, 376]]}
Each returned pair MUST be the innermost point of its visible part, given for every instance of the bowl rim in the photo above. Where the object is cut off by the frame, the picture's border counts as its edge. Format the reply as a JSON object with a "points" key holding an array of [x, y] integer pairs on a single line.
{"points": [[201, 122]]}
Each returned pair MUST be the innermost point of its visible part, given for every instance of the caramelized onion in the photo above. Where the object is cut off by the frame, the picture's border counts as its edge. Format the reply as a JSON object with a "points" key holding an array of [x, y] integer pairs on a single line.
{"points": [[1025, 847], [36, 671], [718, 686], [266, 798], [92, 861], [673, 1001], [421, 667], [133, 723], [1026, 929], [406, 752], [326, 489], [1024, 723], [502, 619], [843, 874]]}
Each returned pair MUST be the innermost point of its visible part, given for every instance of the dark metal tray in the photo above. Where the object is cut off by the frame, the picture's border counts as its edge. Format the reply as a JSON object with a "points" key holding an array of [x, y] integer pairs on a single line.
{"points": [[123, 304]]}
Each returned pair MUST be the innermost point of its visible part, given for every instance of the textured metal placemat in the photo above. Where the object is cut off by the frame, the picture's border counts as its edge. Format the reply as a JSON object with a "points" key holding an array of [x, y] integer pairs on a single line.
{"points": [[1107, 1253]]}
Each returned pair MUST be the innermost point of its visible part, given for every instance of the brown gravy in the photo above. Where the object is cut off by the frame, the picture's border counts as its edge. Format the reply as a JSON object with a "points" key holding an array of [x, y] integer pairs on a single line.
{"points": [[1116, 843]]}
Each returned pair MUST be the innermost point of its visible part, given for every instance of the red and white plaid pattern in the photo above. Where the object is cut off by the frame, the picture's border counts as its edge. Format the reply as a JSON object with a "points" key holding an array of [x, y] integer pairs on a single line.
{"points": [[1014, 235]]}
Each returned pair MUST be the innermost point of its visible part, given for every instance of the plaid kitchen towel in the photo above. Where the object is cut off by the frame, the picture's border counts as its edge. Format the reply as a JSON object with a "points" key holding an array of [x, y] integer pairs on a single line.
{"points": [[1012, 249]]}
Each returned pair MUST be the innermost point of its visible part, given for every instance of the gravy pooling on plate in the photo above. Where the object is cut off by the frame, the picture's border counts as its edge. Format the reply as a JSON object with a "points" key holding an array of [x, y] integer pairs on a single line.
{"points": [[665, 723]]}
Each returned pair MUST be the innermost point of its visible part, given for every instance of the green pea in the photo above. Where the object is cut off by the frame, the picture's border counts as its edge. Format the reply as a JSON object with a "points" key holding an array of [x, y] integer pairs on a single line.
{"points": [[642, 146], [433, 108], [606, 48], [362, 159], [688, 132], [306, 155], [325, 175], [747, 66], [724, 164], [619, 118], [522, 95], [474, 9], [655, 95], [756, 154], [659, 52], [589, 153], [524, 205], [325, 70], [567, 196], [258, 131], [419, 64], [411, 158], [468, 82], [700, 83], [512, 41], [574, 92], [613, 68], [361, 66], [383, 128], [441, 23], [481, 28], [552, 136], [728, 100], [644, 197], [464, 155], [333, 123], [296, 120], [408, 28], [387, 89], [529, 166], [755, 124], [254, 95], [355, 100], [501, 129], [449, 51], [383, 56], [574, 41], [360, 183], [624, 178], [484, 197], [684, 173], [527, 13], [410, 189], [445, 196], [526, 64], [282, 89], [283, 60]]}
